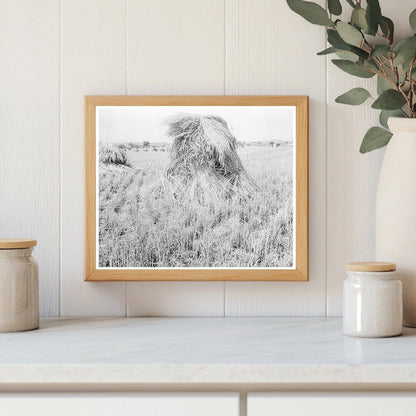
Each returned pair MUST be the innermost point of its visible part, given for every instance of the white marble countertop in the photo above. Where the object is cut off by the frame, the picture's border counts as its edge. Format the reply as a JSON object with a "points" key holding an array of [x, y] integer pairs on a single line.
{"points": [[204, 351]]}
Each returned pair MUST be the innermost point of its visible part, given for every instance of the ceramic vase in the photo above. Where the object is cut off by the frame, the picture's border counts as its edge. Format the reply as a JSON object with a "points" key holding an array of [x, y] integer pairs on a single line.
{"points": [[19, 290], [396, 210]]}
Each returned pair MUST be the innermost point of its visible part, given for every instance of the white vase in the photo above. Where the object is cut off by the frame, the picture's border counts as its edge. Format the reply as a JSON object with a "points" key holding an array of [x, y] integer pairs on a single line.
{"points": [[396, 210]]}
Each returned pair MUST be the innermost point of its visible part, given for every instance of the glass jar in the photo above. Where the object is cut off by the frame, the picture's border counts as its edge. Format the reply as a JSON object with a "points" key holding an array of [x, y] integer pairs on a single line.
{"points": [[19, 286], [372, 300]]}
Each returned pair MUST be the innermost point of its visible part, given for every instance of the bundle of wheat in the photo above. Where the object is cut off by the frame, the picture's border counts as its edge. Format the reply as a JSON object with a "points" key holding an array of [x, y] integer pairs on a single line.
{"points": [[204, 162], [111, 153]]}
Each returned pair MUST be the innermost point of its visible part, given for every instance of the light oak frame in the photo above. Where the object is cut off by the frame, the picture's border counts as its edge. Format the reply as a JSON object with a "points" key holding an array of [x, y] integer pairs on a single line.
{"points": [[300, 273]]}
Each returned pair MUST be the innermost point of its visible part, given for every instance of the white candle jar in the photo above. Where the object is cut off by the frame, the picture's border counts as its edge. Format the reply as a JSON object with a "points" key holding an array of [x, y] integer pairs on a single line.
{"points": [[19, 286], [372, 300]]}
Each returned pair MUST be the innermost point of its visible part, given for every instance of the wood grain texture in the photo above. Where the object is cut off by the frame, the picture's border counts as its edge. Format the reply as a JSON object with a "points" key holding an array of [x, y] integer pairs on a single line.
{"points": [[173, 48], [352, 178], [262, 59], [12, 243], [93, 60], [29, 131], [299, 273], [370, 266]]}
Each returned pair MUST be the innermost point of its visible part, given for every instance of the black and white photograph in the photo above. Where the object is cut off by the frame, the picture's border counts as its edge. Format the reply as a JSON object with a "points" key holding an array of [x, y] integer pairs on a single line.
{"points": [[195, 187]]}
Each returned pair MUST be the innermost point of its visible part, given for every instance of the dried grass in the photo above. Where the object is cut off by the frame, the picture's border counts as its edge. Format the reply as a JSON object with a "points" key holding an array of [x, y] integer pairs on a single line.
{"points": [[111, 153], [140, 228], [204, 163]]}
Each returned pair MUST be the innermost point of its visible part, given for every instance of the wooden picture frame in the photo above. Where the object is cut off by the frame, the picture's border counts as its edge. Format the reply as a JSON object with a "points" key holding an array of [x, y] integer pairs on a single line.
{"points": [[299, 269]]}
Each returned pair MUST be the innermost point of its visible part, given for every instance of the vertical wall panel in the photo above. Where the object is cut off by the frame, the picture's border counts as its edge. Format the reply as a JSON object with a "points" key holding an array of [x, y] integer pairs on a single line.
{"points": [[175, 47], [352, 178], [29, 135], [271, 50], [93, 59]]}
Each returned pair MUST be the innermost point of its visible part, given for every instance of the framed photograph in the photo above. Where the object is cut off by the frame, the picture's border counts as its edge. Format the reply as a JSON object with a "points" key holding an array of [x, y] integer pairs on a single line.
{"points": [[196, 188]]}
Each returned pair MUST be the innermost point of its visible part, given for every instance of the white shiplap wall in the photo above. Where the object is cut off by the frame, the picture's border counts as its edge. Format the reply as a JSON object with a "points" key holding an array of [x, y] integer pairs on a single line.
{"points": [[55, 52], [29, 134], [93, 59]]}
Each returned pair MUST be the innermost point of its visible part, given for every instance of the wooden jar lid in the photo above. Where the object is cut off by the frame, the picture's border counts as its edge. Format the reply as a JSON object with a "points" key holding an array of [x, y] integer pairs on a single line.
{"points": [[11, 243], [371, 266]]}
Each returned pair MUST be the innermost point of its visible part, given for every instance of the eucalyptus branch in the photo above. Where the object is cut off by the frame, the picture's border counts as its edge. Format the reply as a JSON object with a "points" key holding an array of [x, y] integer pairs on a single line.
{"points": [[395, 71], [366, 48], [411, 82], [385, 75], [406, 97], [369, 50]]}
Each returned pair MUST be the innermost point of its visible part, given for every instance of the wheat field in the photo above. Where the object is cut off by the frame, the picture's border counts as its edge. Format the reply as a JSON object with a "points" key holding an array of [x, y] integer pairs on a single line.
{"points": [[143, 225]]}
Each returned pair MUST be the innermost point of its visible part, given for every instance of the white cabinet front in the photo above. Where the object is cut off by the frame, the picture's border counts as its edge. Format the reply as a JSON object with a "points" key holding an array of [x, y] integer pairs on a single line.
{"points": [[119, 404], [331, 404]]}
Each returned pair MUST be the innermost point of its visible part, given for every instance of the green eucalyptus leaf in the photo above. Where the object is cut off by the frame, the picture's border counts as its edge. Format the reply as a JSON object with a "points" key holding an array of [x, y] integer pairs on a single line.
{"points": [[387, 27], [375, 138], [352, 68], [386, 114], [311, 12], [405, 43], [347, 55], [361, 53], [371, 64], [335, 40], [349, 34], [373, 15], [382, 50], [358, 18], [334, 7], [406, 65], [392, 75], [412, 20], [350, 56], [389, 100], [356, 96], [383, 84], [405, 51], [327, 51]]}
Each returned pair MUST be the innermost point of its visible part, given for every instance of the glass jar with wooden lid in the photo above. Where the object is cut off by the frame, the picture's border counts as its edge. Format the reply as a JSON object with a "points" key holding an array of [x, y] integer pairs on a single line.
{"points": [[19, 286], [372, 300]]}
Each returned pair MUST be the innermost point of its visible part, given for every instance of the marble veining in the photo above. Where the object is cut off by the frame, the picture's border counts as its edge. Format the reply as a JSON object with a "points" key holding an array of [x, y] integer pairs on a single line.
{"points": [[203, 350]]}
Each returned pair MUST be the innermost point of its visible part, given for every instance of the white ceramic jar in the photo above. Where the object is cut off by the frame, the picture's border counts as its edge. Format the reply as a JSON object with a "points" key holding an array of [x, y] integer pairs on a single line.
{"points": [[372, 300], [19, 286]]}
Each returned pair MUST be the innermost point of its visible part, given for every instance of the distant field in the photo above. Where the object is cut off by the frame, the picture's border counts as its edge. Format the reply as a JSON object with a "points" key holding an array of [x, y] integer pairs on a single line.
{"points": [[140, 227]]}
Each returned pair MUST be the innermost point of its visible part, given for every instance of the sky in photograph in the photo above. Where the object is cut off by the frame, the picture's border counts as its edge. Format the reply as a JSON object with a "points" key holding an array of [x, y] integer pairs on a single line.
{"points": [[136, 124]]}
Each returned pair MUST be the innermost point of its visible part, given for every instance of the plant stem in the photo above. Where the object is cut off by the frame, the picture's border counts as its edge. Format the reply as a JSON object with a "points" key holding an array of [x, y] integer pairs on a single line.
{"points": [[411, 81], [396, 83]]}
